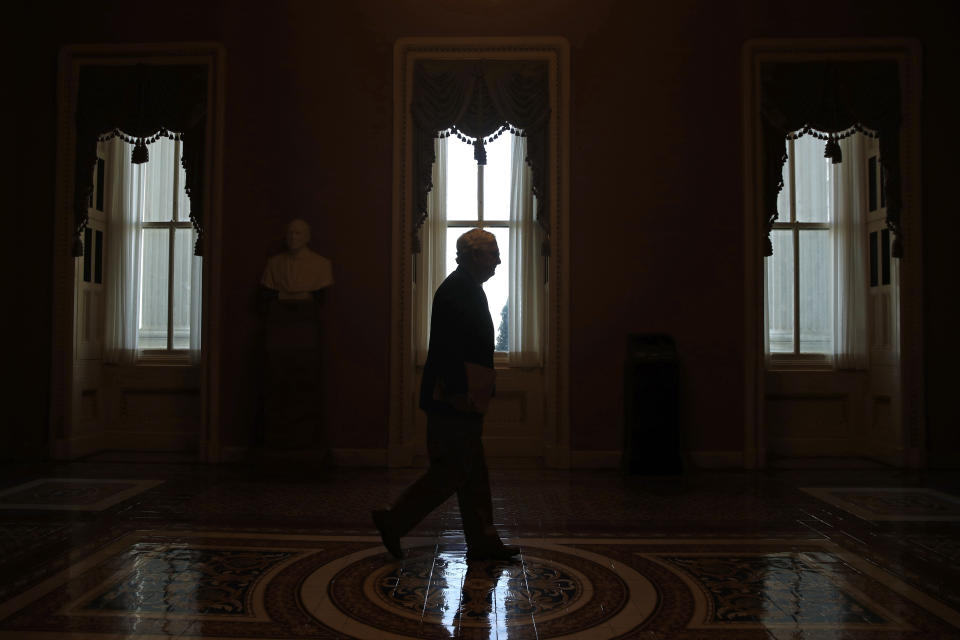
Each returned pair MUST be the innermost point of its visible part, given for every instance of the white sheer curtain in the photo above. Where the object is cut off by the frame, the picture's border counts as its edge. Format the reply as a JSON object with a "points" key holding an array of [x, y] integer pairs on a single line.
{"points": [[850, 197], [433, 255], [122, 258], [526, 277], [831, 262], [137, 260]]}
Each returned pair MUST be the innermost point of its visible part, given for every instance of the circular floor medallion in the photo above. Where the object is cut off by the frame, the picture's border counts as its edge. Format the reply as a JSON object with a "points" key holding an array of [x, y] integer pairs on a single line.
{"points": [[566, 590], [433, 588]]}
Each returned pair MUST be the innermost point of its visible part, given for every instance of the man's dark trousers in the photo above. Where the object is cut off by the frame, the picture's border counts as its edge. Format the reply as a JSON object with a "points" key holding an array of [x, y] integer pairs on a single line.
{"points": [[456, 465]]}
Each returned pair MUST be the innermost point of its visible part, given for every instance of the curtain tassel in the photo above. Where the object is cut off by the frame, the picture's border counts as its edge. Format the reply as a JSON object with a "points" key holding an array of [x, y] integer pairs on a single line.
{"points": [[832, 151], [479, 152], [140, 154]]}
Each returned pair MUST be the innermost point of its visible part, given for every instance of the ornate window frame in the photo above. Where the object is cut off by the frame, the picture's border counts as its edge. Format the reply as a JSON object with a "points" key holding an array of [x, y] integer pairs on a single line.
{"points": [[906, 53], [72, 59], [403, 396]]}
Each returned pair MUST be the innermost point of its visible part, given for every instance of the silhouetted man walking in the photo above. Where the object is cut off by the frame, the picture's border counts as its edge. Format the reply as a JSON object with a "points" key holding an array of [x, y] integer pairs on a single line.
{"points": [[457, 384]]}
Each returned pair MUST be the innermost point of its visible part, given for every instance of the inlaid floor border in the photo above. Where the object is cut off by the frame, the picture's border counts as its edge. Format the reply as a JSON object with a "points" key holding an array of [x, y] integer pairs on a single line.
{"points": [[139, 485], [569, 545], [829, 495]]}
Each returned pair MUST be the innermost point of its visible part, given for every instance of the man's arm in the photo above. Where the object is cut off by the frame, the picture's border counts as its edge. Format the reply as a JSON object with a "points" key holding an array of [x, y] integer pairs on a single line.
{"points": [[447, 339]]}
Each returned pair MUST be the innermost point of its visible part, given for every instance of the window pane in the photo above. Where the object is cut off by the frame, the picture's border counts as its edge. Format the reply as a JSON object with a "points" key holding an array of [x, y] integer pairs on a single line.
{"points": [[98, 258], [87, 253], [99, 184], [157, 180], [812, 180], [780, 291], [816, 292], [496, 178], [182, 287], [496, 288], [884, 256], [783, 198], [154, 273], [882, 187], [461, 181]]}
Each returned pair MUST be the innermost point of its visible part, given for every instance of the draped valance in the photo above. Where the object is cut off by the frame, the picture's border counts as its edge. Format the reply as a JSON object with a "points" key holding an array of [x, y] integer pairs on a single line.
{"points": [[475, 100], [141, 103], [836, 98]]}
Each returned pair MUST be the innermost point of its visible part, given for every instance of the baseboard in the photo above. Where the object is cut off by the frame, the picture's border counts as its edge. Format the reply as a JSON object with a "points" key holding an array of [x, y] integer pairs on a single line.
{"points": [[78, 446], [893, 456], [402, 456], [123, 440], [230, 455], [584, 459], [836, 462], [589, 459], [717, 459], [809, 447], [339, 457], [360, 457]]}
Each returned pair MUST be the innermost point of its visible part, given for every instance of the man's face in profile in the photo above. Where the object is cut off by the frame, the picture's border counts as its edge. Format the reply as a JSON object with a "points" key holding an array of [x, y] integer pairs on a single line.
{"points": [[487, 258]]}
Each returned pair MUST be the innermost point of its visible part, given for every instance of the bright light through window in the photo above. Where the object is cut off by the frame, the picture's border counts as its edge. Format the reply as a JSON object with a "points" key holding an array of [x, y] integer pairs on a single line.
{"points": [[464, 212], [167, 263], [800, 272]]}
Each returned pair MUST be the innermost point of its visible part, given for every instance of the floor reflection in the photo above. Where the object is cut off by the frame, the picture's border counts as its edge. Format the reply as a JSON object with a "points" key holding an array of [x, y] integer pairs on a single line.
{"points": [[478, 599], [711, 556]]}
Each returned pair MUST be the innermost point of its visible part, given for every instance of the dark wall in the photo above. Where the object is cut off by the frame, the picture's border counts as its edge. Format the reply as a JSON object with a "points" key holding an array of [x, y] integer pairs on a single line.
{"points": [[656, 185]]}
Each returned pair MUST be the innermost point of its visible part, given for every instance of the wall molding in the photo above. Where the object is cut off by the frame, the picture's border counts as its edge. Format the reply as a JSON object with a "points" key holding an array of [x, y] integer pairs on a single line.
{"points": [[555, 51], [906, 52], [72, 58]]}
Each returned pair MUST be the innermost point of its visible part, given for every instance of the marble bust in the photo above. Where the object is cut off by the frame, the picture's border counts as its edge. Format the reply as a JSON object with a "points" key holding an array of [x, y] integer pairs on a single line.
{"points": [[298, 272]]}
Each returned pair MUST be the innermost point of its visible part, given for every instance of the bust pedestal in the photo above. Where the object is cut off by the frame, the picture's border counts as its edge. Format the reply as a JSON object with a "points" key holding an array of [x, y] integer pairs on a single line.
{"points": [[292, 394]]}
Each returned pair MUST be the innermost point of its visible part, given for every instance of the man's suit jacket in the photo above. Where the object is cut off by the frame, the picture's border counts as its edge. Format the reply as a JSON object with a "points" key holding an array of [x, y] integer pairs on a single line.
{"points": [[461, 330]]}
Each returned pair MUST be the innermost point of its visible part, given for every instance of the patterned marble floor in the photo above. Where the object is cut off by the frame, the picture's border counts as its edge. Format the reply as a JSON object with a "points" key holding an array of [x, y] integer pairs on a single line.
{"points": [[115, 550]]}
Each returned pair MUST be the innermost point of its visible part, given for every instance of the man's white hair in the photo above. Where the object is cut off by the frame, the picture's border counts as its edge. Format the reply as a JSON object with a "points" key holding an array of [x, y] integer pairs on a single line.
{"points": [[473, 239]]}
